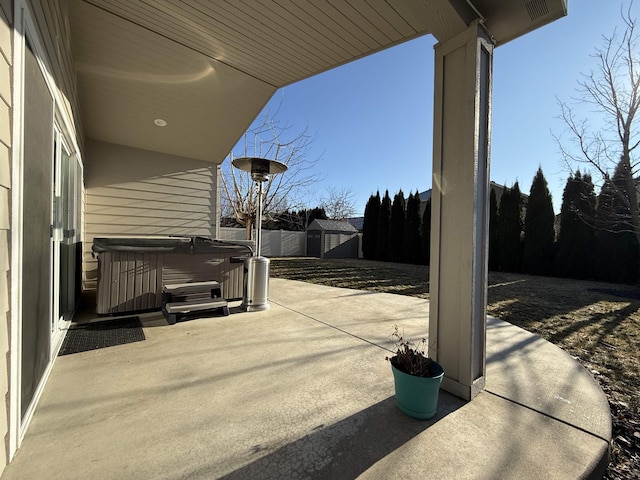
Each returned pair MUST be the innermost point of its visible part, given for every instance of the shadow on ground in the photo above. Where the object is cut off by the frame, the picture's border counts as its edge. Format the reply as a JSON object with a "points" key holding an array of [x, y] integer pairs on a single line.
{"points": [[345, 449]]}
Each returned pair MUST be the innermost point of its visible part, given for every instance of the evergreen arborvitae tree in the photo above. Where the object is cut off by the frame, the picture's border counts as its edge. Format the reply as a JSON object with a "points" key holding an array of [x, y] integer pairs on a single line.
{"points": [[575, 255], [412, 229], [396, 227], [384, 215], [494, 248], [317, 213], [370, 227], [425, 234], [617, 246], [510, 229], [539, 232]]}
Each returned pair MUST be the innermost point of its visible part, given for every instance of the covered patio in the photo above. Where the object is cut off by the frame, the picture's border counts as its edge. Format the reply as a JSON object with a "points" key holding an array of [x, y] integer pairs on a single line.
{"points": [[303, 390], [120, 116], [166, 89]]}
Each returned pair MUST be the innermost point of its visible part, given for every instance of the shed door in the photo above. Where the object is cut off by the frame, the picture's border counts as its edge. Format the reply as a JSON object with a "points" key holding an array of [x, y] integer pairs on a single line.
{"points": [[314, 243]]}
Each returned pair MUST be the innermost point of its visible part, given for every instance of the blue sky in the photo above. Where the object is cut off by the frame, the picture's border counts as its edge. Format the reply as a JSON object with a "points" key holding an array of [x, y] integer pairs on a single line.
{"points": [[372, 118]]}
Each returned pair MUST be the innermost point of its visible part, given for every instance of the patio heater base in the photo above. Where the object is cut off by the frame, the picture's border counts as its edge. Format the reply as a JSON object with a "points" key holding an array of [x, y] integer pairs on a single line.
{"points": [[256, 287], [256, 308]]}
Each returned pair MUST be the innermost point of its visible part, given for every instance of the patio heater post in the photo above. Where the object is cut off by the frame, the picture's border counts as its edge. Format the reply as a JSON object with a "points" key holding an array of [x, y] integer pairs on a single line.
{"points": [[256, 267], [259, 221]]}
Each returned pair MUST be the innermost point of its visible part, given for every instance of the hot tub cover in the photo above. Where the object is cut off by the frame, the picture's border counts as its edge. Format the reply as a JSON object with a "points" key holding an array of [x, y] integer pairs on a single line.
{"points": [[168, 244]]}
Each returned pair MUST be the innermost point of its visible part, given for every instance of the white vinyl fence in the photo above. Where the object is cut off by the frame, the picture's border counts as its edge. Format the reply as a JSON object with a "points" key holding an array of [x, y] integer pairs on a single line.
{"points": [[275, 243]]}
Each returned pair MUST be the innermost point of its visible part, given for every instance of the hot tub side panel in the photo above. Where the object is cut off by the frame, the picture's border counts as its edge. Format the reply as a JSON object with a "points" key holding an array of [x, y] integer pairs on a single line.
{"points": [[128, 282], [132, 281]]}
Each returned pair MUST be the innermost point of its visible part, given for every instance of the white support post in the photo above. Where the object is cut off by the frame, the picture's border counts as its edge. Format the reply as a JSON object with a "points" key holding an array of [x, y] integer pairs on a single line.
{"points": [[459, 224]]}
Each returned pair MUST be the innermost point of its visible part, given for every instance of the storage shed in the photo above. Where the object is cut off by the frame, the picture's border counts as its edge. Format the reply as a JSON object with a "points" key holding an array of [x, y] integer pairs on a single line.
{"points": [[332, 239]]}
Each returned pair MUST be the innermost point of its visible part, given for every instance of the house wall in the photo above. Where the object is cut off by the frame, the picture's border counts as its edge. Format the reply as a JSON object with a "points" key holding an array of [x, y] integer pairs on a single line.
{"points": [[52, 24], [46, 27], [6, 55], [133, 192]]}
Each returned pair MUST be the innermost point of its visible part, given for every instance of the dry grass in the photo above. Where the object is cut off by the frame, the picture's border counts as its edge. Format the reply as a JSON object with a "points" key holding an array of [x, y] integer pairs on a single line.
{"points": [[597, 323]]}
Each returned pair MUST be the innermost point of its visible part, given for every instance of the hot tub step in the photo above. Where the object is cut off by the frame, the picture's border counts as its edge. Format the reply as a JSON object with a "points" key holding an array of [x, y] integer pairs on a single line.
{"points": [[211, 288], [172, 310]]}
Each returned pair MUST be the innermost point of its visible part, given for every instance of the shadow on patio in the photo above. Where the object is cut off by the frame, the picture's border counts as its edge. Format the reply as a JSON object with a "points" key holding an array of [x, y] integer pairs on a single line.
{"points": [[303, 391]]}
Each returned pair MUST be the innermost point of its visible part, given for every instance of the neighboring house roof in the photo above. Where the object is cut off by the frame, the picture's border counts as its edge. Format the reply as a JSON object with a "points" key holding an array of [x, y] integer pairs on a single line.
{"points": [[426, 195], [332, 226], [357, 222]]}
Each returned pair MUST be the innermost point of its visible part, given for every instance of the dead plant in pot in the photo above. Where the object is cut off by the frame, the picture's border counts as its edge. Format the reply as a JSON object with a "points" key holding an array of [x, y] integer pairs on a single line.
{"points": [[417, 377]]}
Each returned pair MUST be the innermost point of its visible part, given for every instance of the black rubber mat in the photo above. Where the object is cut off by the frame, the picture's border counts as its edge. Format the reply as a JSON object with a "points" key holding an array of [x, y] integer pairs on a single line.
{"points": [[92, 336]]}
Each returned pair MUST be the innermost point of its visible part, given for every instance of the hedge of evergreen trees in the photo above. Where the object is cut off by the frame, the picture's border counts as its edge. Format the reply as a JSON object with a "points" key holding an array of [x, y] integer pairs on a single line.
{"points": [[588, 242], [396, 231]]}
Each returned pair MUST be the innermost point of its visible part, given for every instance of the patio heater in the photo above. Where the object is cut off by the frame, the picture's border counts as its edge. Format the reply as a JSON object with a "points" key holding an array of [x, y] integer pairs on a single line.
{"points": [[256, 267]]}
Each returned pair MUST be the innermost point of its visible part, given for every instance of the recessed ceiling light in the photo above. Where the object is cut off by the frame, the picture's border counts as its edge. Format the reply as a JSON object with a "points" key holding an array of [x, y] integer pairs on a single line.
{"points": [[160, 122]]}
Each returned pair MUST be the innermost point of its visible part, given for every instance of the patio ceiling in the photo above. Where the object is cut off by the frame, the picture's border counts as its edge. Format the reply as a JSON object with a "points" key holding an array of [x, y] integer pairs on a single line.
{"points": [[207, 67]]}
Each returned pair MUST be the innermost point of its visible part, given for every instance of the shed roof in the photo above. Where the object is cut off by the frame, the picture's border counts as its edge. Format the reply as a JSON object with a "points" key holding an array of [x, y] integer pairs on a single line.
{"points": [[332, 226]]}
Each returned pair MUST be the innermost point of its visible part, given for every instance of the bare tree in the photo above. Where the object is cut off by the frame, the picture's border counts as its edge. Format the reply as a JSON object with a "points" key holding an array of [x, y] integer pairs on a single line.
{"points": [[268, 138], [611, 93], [338, 203]]}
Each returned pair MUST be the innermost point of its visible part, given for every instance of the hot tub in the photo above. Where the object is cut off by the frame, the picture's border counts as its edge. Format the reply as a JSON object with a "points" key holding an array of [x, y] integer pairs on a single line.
{"points": [[132, 270]]}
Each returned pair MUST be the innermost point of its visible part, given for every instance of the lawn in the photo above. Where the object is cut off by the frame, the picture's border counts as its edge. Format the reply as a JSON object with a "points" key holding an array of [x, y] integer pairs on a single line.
{"points": [[597, 323]]}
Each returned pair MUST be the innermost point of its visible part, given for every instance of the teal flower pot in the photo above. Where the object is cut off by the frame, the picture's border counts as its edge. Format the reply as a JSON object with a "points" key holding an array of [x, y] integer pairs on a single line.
{"points": [[417, 397]]}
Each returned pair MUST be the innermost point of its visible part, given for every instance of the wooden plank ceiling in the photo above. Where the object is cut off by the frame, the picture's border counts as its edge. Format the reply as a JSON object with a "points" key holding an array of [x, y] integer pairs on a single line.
{"points": [[207, 67]]}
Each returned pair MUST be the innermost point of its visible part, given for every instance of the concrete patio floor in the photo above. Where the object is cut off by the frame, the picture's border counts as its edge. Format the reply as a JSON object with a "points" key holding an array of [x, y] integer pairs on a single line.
{"points": [[303, 390]]}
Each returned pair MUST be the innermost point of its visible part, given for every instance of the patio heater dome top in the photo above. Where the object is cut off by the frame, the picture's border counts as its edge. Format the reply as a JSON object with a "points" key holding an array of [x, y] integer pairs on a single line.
{"points": [[259, 168]]}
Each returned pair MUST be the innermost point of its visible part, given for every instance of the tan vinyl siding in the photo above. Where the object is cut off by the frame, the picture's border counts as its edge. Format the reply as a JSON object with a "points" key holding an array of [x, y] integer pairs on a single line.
{"points": [[5, 209], [51, 19], [132, 192]]}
